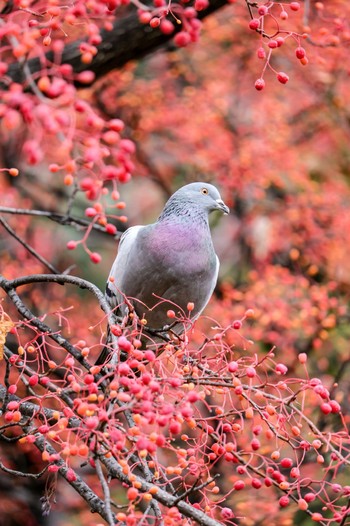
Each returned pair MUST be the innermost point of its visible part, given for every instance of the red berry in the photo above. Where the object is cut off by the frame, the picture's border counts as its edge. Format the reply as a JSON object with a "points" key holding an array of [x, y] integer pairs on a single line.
{"points": [[87, 183], [70, 475], [92, 422], [281, 368], [283, 15], [199, 5], [182, 39], [90, 212], [272, 44], [295, 6], [53, 468], [282, 77], [262, 10], [13, 405], [337, 488], [255, 444], [127, 146], [167, 27], [43, 429], [124, 344], [286, 462], [284, 501], [232, 367], [326, 408], [116, 125], [309, 497], [295, 473], [335, 406], [261, 53], [8, 416], [227, 513], [251, 372], [71, 245], [89, 379], [257, 430], [300, 52], [259, 84], [132, 493], [145, 17], [33, 380], [95, 257], [190, 12], [238, 485], [254, 24], [256, 484], [111, 229], [154, 22]]}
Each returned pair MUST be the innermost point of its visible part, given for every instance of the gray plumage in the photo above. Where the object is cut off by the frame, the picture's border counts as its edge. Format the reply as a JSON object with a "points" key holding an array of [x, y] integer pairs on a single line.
{"points": [[171, 262]]}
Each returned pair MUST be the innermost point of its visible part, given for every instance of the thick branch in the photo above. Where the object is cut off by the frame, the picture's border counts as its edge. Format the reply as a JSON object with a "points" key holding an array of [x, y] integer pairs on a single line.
{"points": [[129, 40]]}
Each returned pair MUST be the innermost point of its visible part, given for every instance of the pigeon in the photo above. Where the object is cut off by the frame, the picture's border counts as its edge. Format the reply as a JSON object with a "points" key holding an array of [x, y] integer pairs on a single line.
{"points": [[169, 264]]}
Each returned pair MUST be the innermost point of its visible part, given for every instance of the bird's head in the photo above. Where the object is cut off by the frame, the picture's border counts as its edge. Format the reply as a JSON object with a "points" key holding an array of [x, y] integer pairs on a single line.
{"points": [[203, 195]]}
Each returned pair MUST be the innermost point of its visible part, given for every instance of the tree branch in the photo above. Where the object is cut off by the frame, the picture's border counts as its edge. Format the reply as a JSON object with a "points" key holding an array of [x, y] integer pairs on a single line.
{"points": [[61, 219], [128, 40], [30, 249]]}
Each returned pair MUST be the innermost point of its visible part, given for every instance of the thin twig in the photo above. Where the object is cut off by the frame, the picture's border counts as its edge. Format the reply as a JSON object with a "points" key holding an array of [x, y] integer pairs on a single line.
{"points": [[194, 487], [21, 474], [29, 248], [106, 493]]}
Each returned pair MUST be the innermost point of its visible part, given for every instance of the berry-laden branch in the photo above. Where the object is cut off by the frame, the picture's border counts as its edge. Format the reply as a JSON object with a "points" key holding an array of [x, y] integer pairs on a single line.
{"points": [[165, 419], [126, 39], [57, 464]]}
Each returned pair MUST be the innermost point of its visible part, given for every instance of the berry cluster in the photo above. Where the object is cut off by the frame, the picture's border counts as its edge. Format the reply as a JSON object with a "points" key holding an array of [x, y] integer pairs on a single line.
{"points": [[266, 23]]}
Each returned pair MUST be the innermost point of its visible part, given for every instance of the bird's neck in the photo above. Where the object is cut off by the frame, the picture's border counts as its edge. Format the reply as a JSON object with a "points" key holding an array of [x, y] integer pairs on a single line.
{"points": [[177, 213]]}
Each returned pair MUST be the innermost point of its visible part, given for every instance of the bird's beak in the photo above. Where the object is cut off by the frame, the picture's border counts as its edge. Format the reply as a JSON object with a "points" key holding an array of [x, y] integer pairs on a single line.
{"points": [[221, 206]]}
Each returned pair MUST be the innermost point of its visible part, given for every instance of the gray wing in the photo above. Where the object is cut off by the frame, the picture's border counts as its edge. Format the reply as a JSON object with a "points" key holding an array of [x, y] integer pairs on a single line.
{"points": [[197, 290], [120, 267]]}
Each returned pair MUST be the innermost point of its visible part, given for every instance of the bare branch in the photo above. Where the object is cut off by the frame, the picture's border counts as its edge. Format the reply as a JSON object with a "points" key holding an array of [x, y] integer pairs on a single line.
{"points": [[22, 474], [106, 492], [30, 249]]}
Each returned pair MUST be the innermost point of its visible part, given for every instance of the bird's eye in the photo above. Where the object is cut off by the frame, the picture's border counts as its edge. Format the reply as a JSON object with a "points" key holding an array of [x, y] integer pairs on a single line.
{"points": [[204, 191]]}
